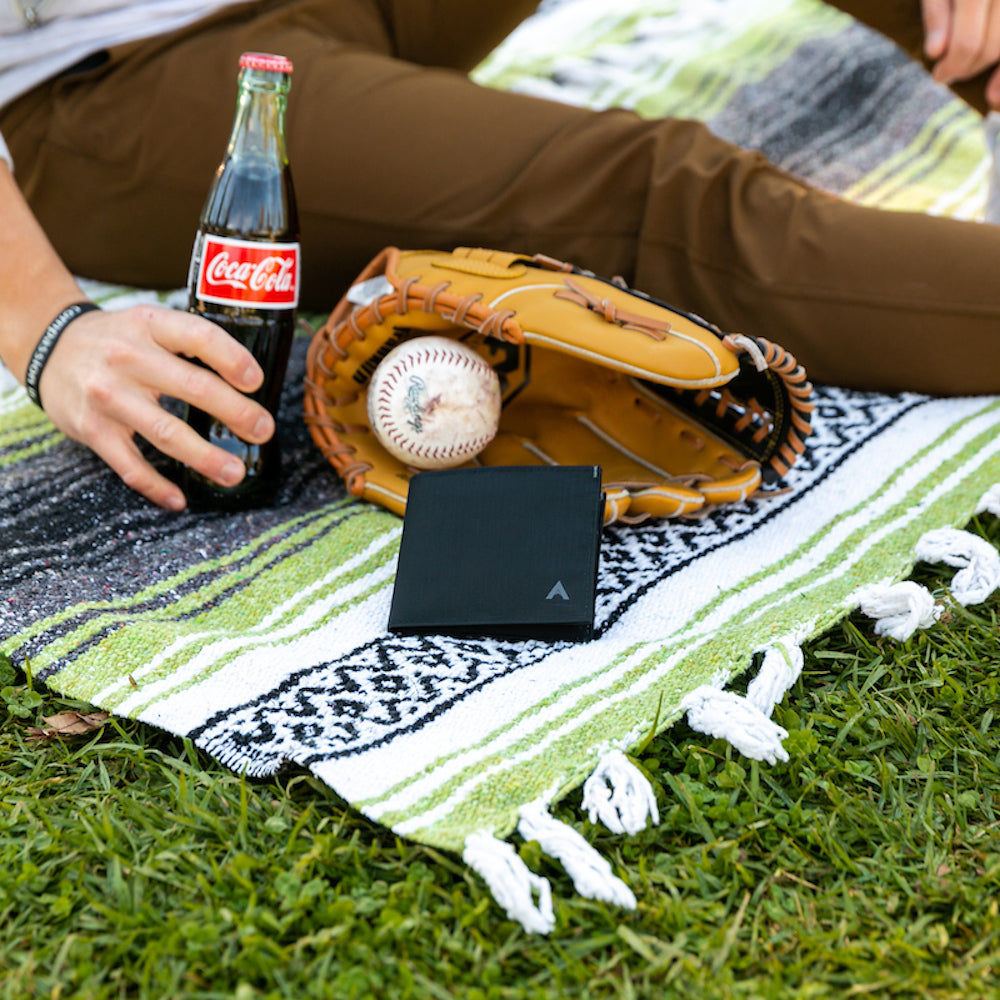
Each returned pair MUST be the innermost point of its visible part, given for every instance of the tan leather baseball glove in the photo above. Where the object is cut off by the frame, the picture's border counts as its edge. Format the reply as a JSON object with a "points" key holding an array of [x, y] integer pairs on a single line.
{"points": [[679, 417]]}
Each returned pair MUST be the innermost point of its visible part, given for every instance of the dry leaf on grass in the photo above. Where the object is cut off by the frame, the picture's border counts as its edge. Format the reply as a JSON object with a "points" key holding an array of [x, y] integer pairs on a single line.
{"points": [[67, 724]]}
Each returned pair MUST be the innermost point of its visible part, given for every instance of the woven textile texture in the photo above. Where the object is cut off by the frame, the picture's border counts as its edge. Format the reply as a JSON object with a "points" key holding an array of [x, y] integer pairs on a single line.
{"points": [[262, 636]]}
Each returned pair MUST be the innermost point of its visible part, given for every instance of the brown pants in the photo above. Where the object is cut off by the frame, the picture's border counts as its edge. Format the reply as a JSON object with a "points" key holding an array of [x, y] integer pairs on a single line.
{"points": [[390, 143]]}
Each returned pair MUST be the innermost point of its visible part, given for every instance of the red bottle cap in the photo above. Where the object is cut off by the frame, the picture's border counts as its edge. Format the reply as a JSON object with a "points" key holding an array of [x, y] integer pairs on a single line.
{"points": [[265, 61]]}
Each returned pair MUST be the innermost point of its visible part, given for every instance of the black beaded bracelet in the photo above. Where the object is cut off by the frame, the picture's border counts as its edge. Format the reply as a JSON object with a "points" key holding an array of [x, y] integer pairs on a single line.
{"points": [[53, 332]]}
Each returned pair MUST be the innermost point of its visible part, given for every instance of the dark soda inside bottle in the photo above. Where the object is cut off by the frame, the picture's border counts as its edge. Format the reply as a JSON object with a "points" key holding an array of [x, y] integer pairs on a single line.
{"points": [[244, 273]]}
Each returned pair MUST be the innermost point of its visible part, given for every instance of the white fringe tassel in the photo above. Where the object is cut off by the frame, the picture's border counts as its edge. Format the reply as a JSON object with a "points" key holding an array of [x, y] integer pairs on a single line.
{"points": [[591, 874], [724, 715], [512, 883], [619, 795], [980, 562], [990, 502], [899, 608], [779, 670]]}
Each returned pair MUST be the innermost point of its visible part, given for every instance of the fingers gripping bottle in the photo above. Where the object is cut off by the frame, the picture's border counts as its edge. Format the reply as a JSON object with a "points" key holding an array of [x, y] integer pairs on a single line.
{"points": [[244, 272]]}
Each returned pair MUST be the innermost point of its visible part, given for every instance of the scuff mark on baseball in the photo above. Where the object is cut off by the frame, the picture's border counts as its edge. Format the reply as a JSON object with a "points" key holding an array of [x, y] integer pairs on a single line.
{"points": [[434, 403]]}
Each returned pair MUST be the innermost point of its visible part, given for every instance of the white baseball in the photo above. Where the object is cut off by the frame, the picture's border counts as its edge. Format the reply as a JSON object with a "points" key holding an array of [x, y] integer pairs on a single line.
{"points": [[434, 403]]}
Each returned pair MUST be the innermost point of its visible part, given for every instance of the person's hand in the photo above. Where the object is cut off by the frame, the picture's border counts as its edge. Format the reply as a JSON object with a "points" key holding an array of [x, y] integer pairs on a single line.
{"points": [[962, 38], [106, 375]]}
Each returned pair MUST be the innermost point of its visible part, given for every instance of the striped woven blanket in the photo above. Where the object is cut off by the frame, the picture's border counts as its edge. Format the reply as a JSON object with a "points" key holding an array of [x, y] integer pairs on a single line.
{"points": [[263, 636]]}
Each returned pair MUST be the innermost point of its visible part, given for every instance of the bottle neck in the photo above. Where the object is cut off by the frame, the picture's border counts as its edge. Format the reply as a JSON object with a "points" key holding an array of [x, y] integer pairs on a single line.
{"points": [[259, 126]]}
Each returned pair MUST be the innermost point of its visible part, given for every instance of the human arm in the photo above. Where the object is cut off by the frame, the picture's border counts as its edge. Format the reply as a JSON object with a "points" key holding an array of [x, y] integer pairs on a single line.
{"points": [[105, 376], [962, 39]]}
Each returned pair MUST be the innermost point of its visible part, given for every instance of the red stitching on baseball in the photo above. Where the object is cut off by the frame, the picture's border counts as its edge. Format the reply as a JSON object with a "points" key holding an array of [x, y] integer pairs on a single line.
{"points": [[389, 387]]}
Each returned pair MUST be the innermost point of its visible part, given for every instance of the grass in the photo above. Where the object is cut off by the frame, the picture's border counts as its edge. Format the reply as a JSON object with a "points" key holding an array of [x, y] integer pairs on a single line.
{"points": [[134, 866]]}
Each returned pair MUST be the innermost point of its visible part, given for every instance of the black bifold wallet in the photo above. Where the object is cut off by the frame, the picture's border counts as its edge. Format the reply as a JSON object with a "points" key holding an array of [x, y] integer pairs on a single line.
{"points": [[504, 551]]}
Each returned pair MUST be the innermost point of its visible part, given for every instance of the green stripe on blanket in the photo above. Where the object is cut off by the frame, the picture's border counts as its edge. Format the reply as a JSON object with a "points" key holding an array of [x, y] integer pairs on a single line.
{"points": [[262, 637], [809, 587]]}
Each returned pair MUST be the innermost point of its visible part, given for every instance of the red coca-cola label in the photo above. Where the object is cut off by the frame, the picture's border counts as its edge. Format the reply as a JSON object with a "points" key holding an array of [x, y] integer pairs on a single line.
{"points": [[246, 273]]}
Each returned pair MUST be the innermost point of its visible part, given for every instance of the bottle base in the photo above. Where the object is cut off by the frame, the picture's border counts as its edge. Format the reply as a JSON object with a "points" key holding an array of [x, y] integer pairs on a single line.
{"points": [[205, 496]]}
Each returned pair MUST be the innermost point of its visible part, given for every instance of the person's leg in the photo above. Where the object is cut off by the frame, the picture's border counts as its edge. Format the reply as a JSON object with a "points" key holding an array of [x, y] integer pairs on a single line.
{"points": [[902, 21], [116, 159], [385, 152], [457, 34], [864, 298]]}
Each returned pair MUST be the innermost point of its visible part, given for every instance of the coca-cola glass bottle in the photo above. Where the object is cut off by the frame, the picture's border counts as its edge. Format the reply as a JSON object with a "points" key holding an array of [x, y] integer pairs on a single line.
{"points": [[244, 272]]}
